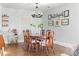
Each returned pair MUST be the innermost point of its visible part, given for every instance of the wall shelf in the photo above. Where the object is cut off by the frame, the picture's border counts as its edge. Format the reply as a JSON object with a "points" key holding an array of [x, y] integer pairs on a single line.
{"points": [[5, 20]]}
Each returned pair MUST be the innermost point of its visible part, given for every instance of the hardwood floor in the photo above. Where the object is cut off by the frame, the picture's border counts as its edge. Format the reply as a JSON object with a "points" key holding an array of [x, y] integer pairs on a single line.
{"points": [[20, 50]]}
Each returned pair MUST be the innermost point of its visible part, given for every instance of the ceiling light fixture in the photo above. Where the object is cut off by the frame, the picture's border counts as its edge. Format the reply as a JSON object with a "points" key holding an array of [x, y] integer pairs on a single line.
{"points": [[37, 13]]}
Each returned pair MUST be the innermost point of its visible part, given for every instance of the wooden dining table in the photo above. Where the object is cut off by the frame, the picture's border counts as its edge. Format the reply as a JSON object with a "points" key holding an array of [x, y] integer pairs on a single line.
{"points": [[35, 37], [38, 40]]}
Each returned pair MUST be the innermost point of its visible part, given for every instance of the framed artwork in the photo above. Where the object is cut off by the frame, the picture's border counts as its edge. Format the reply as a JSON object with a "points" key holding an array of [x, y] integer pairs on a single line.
{"points": [[51, 23], [66, 13], [65, 22], [57, 23], [4, 24], [5, 20]]}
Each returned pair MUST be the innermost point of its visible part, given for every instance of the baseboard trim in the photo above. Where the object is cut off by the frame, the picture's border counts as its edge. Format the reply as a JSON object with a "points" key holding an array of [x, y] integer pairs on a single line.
{"points": [[67, 45]]}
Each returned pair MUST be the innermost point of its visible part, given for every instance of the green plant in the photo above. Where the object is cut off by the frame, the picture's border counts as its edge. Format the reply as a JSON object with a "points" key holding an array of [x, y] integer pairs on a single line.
{"points": [[38, 26]]}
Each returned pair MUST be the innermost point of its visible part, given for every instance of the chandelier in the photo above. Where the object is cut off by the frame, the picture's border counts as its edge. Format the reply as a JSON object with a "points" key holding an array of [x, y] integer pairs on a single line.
{"points": [[37, 13]]}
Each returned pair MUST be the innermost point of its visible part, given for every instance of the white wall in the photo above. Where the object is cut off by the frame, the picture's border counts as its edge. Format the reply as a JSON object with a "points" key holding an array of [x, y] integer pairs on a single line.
{"points": [[0, 16], [70, 33], [21, 19]]}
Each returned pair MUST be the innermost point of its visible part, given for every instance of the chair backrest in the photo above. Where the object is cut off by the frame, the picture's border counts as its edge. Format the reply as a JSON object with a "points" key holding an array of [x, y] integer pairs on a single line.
{"points": [[24, 34], [27, 33], [14, 31], [50, 33], [2, 43], [27, 38], [43, 34], [50, 36]]}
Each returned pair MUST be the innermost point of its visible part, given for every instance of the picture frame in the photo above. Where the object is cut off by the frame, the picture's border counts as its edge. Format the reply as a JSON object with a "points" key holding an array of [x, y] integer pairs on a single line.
{"points": [[4, 24], [5, 20], [66, 13], [57, 23], [65, 22], [51, 23]]}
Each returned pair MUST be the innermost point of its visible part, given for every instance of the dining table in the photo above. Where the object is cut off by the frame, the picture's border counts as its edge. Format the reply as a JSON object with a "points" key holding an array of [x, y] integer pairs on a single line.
{"points": [[38, 40]]}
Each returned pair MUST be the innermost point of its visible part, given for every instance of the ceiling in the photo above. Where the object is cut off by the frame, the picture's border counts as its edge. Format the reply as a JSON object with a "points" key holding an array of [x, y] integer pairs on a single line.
{"points": [[29, 6]]}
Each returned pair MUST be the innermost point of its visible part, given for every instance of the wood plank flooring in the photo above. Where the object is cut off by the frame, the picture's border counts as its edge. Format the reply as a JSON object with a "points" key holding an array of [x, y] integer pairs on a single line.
{"points": [[20, 50]]}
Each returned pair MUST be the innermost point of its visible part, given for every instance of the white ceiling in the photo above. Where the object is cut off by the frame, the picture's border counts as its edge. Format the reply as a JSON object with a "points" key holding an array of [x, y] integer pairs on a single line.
{"points": [[29, 6]]}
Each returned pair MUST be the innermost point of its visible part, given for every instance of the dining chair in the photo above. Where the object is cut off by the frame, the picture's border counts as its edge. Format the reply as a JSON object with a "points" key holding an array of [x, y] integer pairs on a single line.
{"points": [[30, 41], [37, 44], [24, 37], [42, 39], [15, 36], [2, 44], [50, 41], [27, 39]]}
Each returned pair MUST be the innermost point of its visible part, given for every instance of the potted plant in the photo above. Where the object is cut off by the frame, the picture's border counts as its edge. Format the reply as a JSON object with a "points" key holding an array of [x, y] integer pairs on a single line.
{"points": [[38, 26]]}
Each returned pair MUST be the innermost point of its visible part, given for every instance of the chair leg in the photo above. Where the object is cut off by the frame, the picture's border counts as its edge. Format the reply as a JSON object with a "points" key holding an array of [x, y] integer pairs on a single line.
{"points": [[29, 47], [46, 51], [3, 51], [43, 49], [53, 50], [36, 47], [0, 53]]}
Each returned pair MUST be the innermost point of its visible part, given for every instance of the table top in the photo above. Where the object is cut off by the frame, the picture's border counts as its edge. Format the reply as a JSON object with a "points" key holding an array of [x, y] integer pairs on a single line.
{"points": [[36, 37]]}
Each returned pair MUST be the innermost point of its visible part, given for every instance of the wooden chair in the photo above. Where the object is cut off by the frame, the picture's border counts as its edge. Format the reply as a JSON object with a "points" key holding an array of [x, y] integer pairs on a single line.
{"points": [[24, 34], [43, 39], [50, 40], [37, 44], [27, 39], [2, 44]]}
